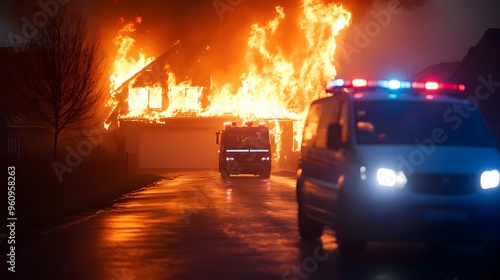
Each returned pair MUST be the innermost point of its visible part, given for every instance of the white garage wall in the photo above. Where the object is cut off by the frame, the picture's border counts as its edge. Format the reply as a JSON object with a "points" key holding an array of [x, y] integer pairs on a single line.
{"points": [[177, 148]]}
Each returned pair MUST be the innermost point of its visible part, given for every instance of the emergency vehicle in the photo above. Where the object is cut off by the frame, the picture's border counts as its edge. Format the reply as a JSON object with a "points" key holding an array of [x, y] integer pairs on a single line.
{"points": [[244, 149], [388, 160]]}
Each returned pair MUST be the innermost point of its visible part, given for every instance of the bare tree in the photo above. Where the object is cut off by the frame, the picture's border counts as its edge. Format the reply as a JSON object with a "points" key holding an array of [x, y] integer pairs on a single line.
{"points": [[62, 72]]}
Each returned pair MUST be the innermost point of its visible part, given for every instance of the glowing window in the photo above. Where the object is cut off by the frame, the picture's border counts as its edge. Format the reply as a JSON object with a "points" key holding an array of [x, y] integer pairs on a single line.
{"points": [[137, 99], [155, 98]]}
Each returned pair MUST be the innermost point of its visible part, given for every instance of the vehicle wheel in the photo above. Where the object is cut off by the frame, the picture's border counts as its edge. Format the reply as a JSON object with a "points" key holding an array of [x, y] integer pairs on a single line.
{"points": [[349, 244], [224, 174], [309, 229], [265, 174]]}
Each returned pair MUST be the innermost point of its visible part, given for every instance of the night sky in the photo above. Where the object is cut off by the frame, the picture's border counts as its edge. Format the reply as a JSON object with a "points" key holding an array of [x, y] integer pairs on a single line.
{"points": [[424, 32]]}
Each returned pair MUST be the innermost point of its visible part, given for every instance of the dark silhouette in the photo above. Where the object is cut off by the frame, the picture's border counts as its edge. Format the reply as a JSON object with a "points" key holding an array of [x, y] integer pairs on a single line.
{"points": [[62, 71]]}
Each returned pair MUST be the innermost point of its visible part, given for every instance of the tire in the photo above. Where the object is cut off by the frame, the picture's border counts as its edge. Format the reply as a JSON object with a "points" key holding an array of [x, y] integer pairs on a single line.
{"points": [[309, 229], [224, 174], [349, 244], [265, 174]]}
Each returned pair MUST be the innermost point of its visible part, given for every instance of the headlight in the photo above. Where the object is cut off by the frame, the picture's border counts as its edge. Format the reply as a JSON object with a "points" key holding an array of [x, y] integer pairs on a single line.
{"points": [[490, 179], [265, 159], [229, 158], [391, 178]]}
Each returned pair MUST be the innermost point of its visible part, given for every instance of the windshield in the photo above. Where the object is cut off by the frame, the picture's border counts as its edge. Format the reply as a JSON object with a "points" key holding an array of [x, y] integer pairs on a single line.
{"points": [[258, 139], [391, 122]]}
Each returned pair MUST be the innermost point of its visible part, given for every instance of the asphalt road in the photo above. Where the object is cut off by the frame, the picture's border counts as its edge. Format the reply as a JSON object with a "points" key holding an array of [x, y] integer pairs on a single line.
{"points": [[196, 225]]}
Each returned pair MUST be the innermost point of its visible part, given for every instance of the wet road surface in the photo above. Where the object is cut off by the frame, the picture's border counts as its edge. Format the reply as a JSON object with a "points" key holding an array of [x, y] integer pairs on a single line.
{"points": [[195, 225]]}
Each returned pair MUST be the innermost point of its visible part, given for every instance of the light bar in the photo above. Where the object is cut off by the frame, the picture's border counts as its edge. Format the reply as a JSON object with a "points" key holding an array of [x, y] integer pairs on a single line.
{"points": [[438, 86], [431, 86], [392, 84], [230, 124], [359, 83], [244, 124]]}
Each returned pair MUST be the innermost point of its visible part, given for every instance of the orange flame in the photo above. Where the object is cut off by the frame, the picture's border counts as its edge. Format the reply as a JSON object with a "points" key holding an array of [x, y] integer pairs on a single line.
{"points": [[276, 85]]}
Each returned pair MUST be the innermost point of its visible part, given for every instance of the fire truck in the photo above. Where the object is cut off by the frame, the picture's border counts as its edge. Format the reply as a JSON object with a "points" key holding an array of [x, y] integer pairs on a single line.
{"points": [[244, 149]]}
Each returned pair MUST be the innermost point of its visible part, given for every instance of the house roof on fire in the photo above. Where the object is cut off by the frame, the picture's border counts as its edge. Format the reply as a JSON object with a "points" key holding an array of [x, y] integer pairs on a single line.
{"points": [[152, 72]]}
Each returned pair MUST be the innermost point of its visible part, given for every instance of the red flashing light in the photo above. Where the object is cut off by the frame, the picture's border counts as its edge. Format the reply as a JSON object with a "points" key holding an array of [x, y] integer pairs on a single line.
{"points": [[395, 85], [429, 97], [359, 83], [418, 85], [431, 86]]}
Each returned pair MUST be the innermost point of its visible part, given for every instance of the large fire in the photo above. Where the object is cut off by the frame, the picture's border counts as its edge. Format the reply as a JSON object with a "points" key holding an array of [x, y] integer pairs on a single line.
{"points": [[277, 84]]}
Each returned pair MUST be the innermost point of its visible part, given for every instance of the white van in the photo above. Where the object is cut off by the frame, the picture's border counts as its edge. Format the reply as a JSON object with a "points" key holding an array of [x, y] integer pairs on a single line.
{"points": [[398, 161]]}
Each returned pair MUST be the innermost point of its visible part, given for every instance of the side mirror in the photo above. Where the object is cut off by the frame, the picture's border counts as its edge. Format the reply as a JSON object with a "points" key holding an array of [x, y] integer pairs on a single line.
{"points": [[334, 137], [217, 136]]}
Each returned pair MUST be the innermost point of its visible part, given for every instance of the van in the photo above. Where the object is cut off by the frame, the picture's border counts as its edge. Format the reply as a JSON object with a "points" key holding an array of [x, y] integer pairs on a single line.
{"points": [[398, 161]]}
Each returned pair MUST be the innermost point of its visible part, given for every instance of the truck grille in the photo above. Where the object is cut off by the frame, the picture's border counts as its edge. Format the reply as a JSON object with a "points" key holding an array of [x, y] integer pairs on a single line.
{"points": [[443, 183]]}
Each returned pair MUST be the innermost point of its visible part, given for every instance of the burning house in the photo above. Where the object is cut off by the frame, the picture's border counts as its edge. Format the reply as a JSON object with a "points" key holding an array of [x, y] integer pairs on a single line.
{"points": [[170, 122]]}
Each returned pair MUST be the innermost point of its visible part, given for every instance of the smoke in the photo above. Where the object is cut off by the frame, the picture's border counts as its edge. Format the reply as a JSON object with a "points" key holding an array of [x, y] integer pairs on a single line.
{"points": [[214, 33], [360, 8], [421, 34]]}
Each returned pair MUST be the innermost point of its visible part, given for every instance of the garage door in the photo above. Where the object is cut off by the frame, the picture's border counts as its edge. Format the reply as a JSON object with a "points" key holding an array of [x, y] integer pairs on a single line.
{"points": [[184, 148]]}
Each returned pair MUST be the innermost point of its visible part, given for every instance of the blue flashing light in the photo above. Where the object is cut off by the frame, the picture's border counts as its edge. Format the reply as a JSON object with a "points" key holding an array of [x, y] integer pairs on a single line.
{"points": [[405, 84], [394, 84], [338, 83]]}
